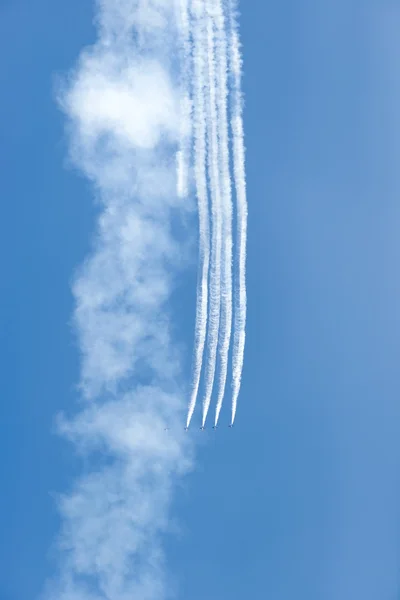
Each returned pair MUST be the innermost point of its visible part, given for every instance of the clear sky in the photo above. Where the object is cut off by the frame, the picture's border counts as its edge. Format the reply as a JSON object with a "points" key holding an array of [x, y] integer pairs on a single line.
{"points": [[301, 499]]}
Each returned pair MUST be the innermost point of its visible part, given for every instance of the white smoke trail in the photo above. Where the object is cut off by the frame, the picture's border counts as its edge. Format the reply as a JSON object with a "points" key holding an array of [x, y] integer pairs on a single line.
{"points": [[240, 184], [216, 241], [123, 115], [183, 154], [226, 277], [199, 40]]}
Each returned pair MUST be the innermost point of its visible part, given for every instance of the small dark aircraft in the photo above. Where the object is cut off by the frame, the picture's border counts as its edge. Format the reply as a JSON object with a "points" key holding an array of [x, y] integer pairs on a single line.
{"points": [[202, 428], [186, 428], [230, 426], [215, 426]]}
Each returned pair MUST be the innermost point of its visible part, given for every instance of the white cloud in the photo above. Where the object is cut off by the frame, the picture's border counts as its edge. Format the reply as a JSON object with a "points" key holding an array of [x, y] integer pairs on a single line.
{"points": [[133, 102], [122, 109]]}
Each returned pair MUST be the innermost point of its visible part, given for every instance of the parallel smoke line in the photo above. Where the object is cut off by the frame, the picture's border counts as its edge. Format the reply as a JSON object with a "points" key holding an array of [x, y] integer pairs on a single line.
{"points": [[202, 199], [214, 58], [226, 297], [216, 240], [240, 184]]}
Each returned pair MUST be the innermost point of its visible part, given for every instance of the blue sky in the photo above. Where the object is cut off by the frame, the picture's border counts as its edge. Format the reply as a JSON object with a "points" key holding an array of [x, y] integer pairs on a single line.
{"points": [[301, 499]]}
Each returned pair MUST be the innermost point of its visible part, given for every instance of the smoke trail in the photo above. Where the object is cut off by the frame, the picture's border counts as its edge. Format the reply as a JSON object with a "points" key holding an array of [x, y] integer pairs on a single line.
{"points": [[240, 184], [226, 296], [199, 36], [183, 154], [216, 241]]}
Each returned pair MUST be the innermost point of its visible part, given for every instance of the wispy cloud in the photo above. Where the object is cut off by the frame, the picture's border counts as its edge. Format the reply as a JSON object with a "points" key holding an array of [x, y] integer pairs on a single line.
{"points": [[122, 105]]}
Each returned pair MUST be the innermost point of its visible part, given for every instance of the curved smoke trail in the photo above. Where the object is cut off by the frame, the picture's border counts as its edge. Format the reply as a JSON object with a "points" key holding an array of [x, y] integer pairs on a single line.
{"points": [[216, 241], [202, 198], [226, 297], [241, 200]]}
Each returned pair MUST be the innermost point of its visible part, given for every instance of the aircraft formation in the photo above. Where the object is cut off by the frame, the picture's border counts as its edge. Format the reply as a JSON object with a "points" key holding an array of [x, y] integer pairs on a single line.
{"points": [[202, 428]]}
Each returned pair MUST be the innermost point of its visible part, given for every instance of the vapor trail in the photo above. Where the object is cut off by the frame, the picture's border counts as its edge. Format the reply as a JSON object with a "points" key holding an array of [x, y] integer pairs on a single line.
{"points": [[241, 200], [226, 276], [199, 37], [183, 154], [216, 241]]}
